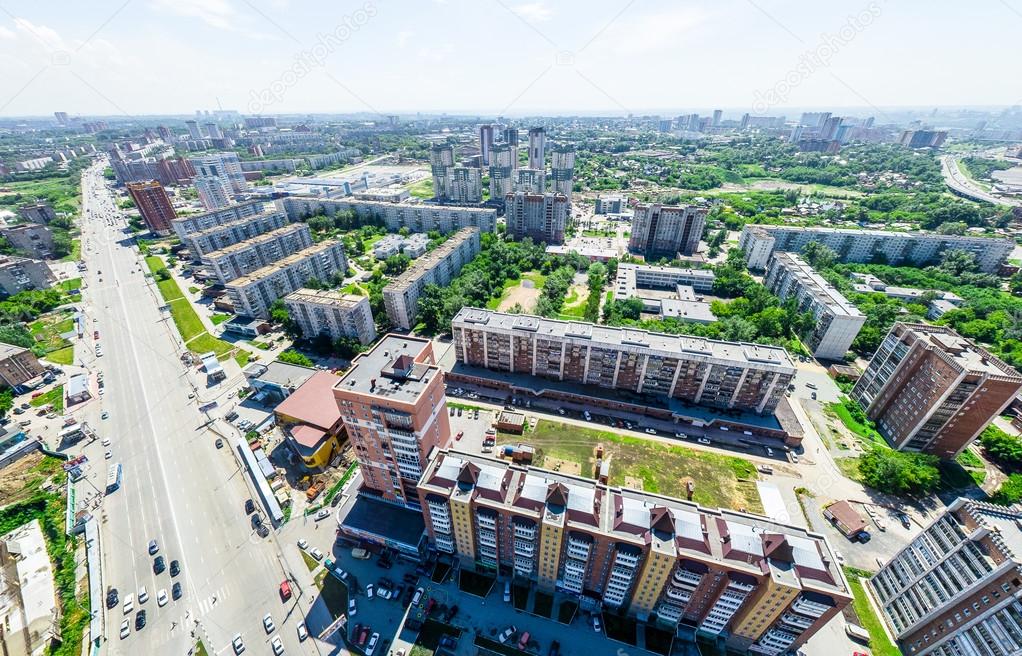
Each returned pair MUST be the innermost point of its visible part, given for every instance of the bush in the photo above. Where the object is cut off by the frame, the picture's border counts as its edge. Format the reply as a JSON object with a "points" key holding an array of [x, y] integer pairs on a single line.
{"points": [[1004, 448], [896, 472], [1010, 491], [294, 357]]}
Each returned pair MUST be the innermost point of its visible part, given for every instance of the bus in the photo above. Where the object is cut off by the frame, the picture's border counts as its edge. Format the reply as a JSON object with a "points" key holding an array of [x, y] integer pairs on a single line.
{"points": [[113, 477]]}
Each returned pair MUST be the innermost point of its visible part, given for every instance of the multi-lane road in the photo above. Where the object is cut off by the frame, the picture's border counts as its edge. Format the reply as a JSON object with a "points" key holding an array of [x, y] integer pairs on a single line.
{"points": [[958, 182], [178, 488]]}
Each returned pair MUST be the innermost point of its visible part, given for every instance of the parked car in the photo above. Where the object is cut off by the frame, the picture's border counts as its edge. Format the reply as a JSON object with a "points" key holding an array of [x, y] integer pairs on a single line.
{"points": [[175, 568], [277, 645], [369, 590], [111, 598], [268, 623], [352, 608], [371, 647], [175, 591], [316, 553], [322, 514], [159, 565], [125, 628], [597, 624], [303, 633], [153, 547], [507, 591], [507, 633], [238, 643]]}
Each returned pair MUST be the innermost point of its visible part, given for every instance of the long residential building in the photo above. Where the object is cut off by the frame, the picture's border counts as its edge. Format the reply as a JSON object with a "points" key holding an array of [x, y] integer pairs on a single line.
{"points": [[319, 311], [204, 242], [664, 231], [747, 582], [416, 217], [186, 225], [541, 217], [394, 408], [837, 321], [929, 389], [253, 294], [401, 295], [759, 242], [18, 274], [263, 250], [955, 589], [750, 377]]}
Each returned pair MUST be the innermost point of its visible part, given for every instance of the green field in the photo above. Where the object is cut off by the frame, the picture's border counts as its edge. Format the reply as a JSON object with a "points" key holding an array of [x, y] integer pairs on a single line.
{"points": [[188, 323], [865, 432], [879, 643], [422, 189], [661, 468], [76, 252], [48, 329], [54, 396], [65, 355], [60, 192]]}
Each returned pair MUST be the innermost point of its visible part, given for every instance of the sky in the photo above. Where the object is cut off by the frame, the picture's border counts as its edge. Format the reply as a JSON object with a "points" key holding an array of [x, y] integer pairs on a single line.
{"points": [[504, 57]]}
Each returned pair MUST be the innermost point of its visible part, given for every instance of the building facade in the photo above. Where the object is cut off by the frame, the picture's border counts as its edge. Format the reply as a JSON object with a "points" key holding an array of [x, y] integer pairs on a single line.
{"points": [[502, 166], [401, 295], [748, 377], [837, 321], [204, 242], [394, 407], [542, 217], [253, 294], [441, 161], [154, 205], [415, 217], [528, 181], [18, 365], [748, 582], [18, 274], [214, 193], [759, 242], [485, 143], [38, 212], [562, 169], [955, 589], [465, 184], [225, 165], [929, 389], [186, 225], [664, 231], [257, 252], [537, 148], [338, 315]]}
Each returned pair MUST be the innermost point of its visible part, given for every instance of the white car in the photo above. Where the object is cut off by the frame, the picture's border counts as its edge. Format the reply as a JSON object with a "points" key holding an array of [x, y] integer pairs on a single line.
{"points": [[143, 595], [316, 553], [268, 623], [161, 597], [106, 441], [651, 431], [322, 514], [108, 455], [371, 647], [352, 608], [303, 633], [129, 604], [369, 590], [238, 644], [278, 646], [125, 628], [303, 543]]}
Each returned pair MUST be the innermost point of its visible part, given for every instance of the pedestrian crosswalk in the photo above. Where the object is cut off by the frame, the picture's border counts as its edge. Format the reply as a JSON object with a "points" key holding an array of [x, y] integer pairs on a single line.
{"points": [[217, 597]]}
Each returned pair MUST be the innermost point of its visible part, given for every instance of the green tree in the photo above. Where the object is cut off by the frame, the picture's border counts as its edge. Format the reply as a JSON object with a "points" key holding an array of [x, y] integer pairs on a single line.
{"points": [[6, 401], [952, 228], [1010, 491], [294, 357], [819, 256], [395, 265], [902, 473], [1002, 447]]}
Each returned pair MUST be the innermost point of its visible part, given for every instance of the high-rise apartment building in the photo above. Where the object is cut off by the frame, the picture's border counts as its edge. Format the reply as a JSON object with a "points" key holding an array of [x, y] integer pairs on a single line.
{"points": [[154, 205], [225, 165], [542, 217], [438, 267], [244, 257], [393, 405], [485, 143], [441, 161], [537, 148], [757, 585], [955, 589], [464, 184], [562, 169], [214, 193], [923, 138], [502, 166], [61, 117], [319, 311], [511, 138], [929, 389], [252, 295], [193, 130], [213, 130], [664, 231], [186, 225], [759, 242], [750, 377], [204, 242], [837, 321], [528, 181], [717, 115]]}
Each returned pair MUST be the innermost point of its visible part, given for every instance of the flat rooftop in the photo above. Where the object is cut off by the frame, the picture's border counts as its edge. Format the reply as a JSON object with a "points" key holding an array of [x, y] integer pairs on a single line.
{"points": [[431, 259], [282, 373], [290, 260], [757, 356], [961, 351], [291, 228], [816, 285], [324, 297], [367, 514], [391, 370], [875, 233], [230, 224]]}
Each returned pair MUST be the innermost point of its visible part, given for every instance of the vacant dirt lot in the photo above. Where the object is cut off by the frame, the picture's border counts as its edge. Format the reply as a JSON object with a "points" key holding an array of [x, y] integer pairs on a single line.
{"points": [[21, 479], [526, 293]]}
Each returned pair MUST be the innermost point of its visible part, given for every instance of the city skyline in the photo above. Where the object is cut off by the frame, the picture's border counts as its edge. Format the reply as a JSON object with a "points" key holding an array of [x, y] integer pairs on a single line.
{"points": [[141, 58]]}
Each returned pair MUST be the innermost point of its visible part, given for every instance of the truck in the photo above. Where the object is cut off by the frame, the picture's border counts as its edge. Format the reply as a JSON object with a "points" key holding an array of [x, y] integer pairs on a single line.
{"points": [[314, 490]]}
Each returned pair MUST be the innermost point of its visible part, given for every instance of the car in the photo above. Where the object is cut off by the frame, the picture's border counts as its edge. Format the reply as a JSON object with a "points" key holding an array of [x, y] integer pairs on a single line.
{"points": [[153, 547], [507, 591], [905, 521], [371, 647], [106, 441], [459, 412], [703, 440], [322, 514], [303, 543], [285, 590], [109, 454], [140, 620], [161, 597], [363, 636], [143, 595], [352, 608], [448, 642], [369, 590], [268, 623], [597, 625], [316, 553], [506, 634], [249, 506], [813, 395], [524, 641], [794, 458], [111, 597], [219, 443], [417, 597], [681, 436], [460, 435], [811, 386], [159, 565], [175, 568], [769, 452], [651, 431], [839, 557], [359, 553], [303, 633], [19, 411], [125, 628], [191, 395], [129, 604], [238, 643], [175, 591], [475, 414], [450, 411], [277, 645]]}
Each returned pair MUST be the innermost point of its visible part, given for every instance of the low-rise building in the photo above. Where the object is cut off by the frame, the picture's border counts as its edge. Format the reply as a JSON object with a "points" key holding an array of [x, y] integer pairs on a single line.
{"points": [[401, 296], [311, 420], [654, 284], [28, 593], [837, 321], [611, 204], [272, 383], [18, 365], [33, 239], [751, 583], [334, 313], [38, 212], [18, 274], [263, 250], [253, 294]]}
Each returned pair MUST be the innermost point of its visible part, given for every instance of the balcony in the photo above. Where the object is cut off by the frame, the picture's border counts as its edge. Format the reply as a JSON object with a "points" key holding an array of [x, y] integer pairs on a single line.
{"points": [[796, 621], [685, 578], [681, 596], [487, 539], [670, 612], [526, 549], [627, 559], [524, 532], [486, 521], [803, 606], [571, 585], [488, 551], [441, 525], [744, 587], [444, 543], [579, 543], [574, 568]]}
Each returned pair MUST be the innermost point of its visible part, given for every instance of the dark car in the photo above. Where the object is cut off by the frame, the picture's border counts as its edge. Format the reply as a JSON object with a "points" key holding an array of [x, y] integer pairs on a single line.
{"points": [[219, 443], [111, 598], [451, 612], [249, 506], [231, 416], [139, 620], [159, 565], [175, 568], [175, 590], [448, 641], [555, 648], [262, 531]]}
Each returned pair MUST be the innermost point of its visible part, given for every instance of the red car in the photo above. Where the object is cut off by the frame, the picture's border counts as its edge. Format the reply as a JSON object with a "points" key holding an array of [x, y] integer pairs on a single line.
{"points": [[95, 334], [460, 435], [285, 591], [363, 637]]}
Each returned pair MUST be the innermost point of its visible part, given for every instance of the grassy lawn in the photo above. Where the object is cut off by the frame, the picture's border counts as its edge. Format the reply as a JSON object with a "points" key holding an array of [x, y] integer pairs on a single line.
{"points": [[54, 396], [200, 649], [310, 562], [661, 467], [73, 283], [169, 290], [879, 643], [48, 330], [865, 432], [155, 263], [260, 345], [219, 318], [205, 343], [76, 252], [849, 467], [185, 318], [475, 584], [61, 356], [241, 356], [422, 188]]}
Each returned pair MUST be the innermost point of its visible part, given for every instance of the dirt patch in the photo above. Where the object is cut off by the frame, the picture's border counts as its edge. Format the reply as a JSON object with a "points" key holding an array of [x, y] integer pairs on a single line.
{"points": [[21, 479], [563, 466], [633, 483], [524, 293]]}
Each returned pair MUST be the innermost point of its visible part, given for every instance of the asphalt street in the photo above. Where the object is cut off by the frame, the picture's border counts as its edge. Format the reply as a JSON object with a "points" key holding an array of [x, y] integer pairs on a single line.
{"points": [[178, 488]]}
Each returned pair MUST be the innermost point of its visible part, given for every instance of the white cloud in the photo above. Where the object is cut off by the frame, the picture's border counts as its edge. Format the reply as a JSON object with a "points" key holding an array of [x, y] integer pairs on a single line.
{"points": [[6, 33], [43, 35], [215, 13], [535, 12], [650, 32], [403, 36]]}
